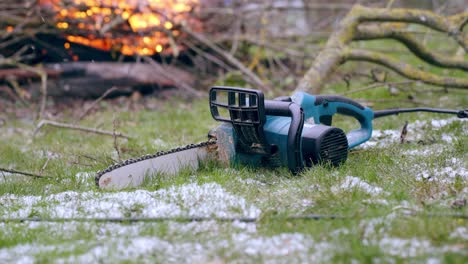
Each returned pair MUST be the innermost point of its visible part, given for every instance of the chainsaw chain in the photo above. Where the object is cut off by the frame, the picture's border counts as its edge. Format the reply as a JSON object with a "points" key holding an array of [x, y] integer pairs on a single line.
{"points": [[120, 164]]}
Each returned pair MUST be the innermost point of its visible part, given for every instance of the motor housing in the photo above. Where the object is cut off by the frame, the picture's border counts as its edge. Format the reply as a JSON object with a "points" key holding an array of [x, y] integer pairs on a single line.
{"points": [[324, 145]]}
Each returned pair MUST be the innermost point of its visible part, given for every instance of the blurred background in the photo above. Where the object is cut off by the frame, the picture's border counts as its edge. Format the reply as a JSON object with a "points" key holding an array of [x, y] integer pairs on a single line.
{"points": [[83, 48]]}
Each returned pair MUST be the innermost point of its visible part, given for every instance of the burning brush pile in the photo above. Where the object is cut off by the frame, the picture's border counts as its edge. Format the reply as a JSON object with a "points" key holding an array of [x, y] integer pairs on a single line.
{"points": [[64, 37], [83, 48], [142, 27]]}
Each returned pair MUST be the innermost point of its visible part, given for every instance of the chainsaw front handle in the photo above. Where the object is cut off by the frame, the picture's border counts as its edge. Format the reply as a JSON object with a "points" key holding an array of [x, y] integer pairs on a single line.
{"points": [[293, 110]]}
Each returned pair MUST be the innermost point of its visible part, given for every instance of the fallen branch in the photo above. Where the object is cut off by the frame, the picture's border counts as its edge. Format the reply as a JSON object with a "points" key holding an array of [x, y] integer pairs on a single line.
{"points": [[376, 85], [24, 173], [387, 31], [43, 123], [404, 69], [337, 49]]}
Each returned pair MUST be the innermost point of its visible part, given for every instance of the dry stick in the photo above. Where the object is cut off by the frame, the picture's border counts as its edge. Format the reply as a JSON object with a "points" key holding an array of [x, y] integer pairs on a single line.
{"points": [[218, 219], [116, 146], [93, 104], [207, 55], [24, 173], [404, 132], [177, 81], [43, 123], [376, 85], [44, 166], [252, 77], [175, 219]]}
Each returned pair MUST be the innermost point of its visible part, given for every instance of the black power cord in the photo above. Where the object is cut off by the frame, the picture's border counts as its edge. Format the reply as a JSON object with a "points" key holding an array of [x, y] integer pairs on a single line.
{"points": [[396, 111]]}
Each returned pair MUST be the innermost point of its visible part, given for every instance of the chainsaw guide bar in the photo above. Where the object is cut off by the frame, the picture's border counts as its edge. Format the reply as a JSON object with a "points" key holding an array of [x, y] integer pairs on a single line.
{"points": [[170, 161]]}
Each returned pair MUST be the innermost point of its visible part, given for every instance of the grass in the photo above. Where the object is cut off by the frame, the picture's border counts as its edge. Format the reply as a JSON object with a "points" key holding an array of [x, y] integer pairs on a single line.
{"points": [[385, 209]]}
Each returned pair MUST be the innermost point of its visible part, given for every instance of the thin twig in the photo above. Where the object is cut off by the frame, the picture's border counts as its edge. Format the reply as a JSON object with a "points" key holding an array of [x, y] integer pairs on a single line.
{"points": [[44, 166], [177, 81], [43, 123], [251, 76], [203, 219], [116, 145], [376, 85], [24, 173], [163, 219], [404, 132], [93, 104]]}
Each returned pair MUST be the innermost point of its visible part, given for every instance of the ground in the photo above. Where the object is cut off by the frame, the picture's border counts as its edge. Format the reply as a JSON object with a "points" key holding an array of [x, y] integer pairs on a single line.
{"points": [[395, 202]]}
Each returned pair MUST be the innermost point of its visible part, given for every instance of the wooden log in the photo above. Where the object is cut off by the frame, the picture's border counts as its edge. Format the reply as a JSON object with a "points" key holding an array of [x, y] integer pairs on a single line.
{"points": [[92, 79]]}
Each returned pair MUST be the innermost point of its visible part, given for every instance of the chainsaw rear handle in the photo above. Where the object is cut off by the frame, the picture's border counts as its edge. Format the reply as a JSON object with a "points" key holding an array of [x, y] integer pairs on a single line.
{"points": [[322, 108], [294, 147]]}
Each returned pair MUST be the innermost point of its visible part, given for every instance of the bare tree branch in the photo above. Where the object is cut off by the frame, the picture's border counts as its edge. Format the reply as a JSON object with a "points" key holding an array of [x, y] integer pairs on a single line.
{"points": [[252, 77], [404, 69], [336, 50], [44, 123], [386, 31]]}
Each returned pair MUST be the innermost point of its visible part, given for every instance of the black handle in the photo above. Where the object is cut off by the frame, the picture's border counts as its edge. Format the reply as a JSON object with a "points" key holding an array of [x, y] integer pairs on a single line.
{"points": [[293, 110], [321, 99]]}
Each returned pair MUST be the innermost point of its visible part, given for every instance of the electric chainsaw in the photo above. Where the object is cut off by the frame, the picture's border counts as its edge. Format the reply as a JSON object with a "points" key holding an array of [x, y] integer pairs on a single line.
{"points": [[295, 132]]}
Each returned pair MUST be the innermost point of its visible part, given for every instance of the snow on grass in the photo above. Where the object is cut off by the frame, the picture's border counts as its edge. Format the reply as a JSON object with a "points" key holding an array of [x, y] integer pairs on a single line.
{"points": [[405, 248], [10, 177], [460, 233], [243, 247], [351, 183], [86, 178], [207, 200], [447, 174], [195, 242], [383, 138]]}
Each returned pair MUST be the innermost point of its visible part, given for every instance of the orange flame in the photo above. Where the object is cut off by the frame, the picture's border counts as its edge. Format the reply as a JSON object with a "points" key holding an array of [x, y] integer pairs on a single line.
{"points": [[128, 26]]}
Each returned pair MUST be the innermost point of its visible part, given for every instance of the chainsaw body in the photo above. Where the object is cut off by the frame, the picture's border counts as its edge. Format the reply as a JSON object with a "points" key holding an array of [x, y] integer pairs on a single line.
{"points": [[294, 131]]}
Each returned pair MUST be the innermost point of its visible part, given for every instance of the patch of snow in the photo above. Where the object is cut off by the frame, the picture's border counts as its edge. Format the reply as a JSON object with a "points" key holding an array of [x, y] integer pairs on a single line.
{"points": [[207, 200], [427, 150], [160, 143], [382, 138], [142, 250], [351, 183], [460, 233], [434, 123], [295, 247], [446, 174], [376, 201], [405, 248], [447, 138], [433, 261], [339, 232], [250, 181], [85, 178], [25, 253], [10, 177], [247, 227]]}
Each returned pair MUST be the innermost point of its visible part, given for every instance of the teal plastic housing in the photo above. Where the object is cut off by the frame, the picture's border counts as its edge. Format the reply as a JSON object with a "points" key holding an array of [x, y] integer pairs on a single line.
{"points": [[276, 128]]}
